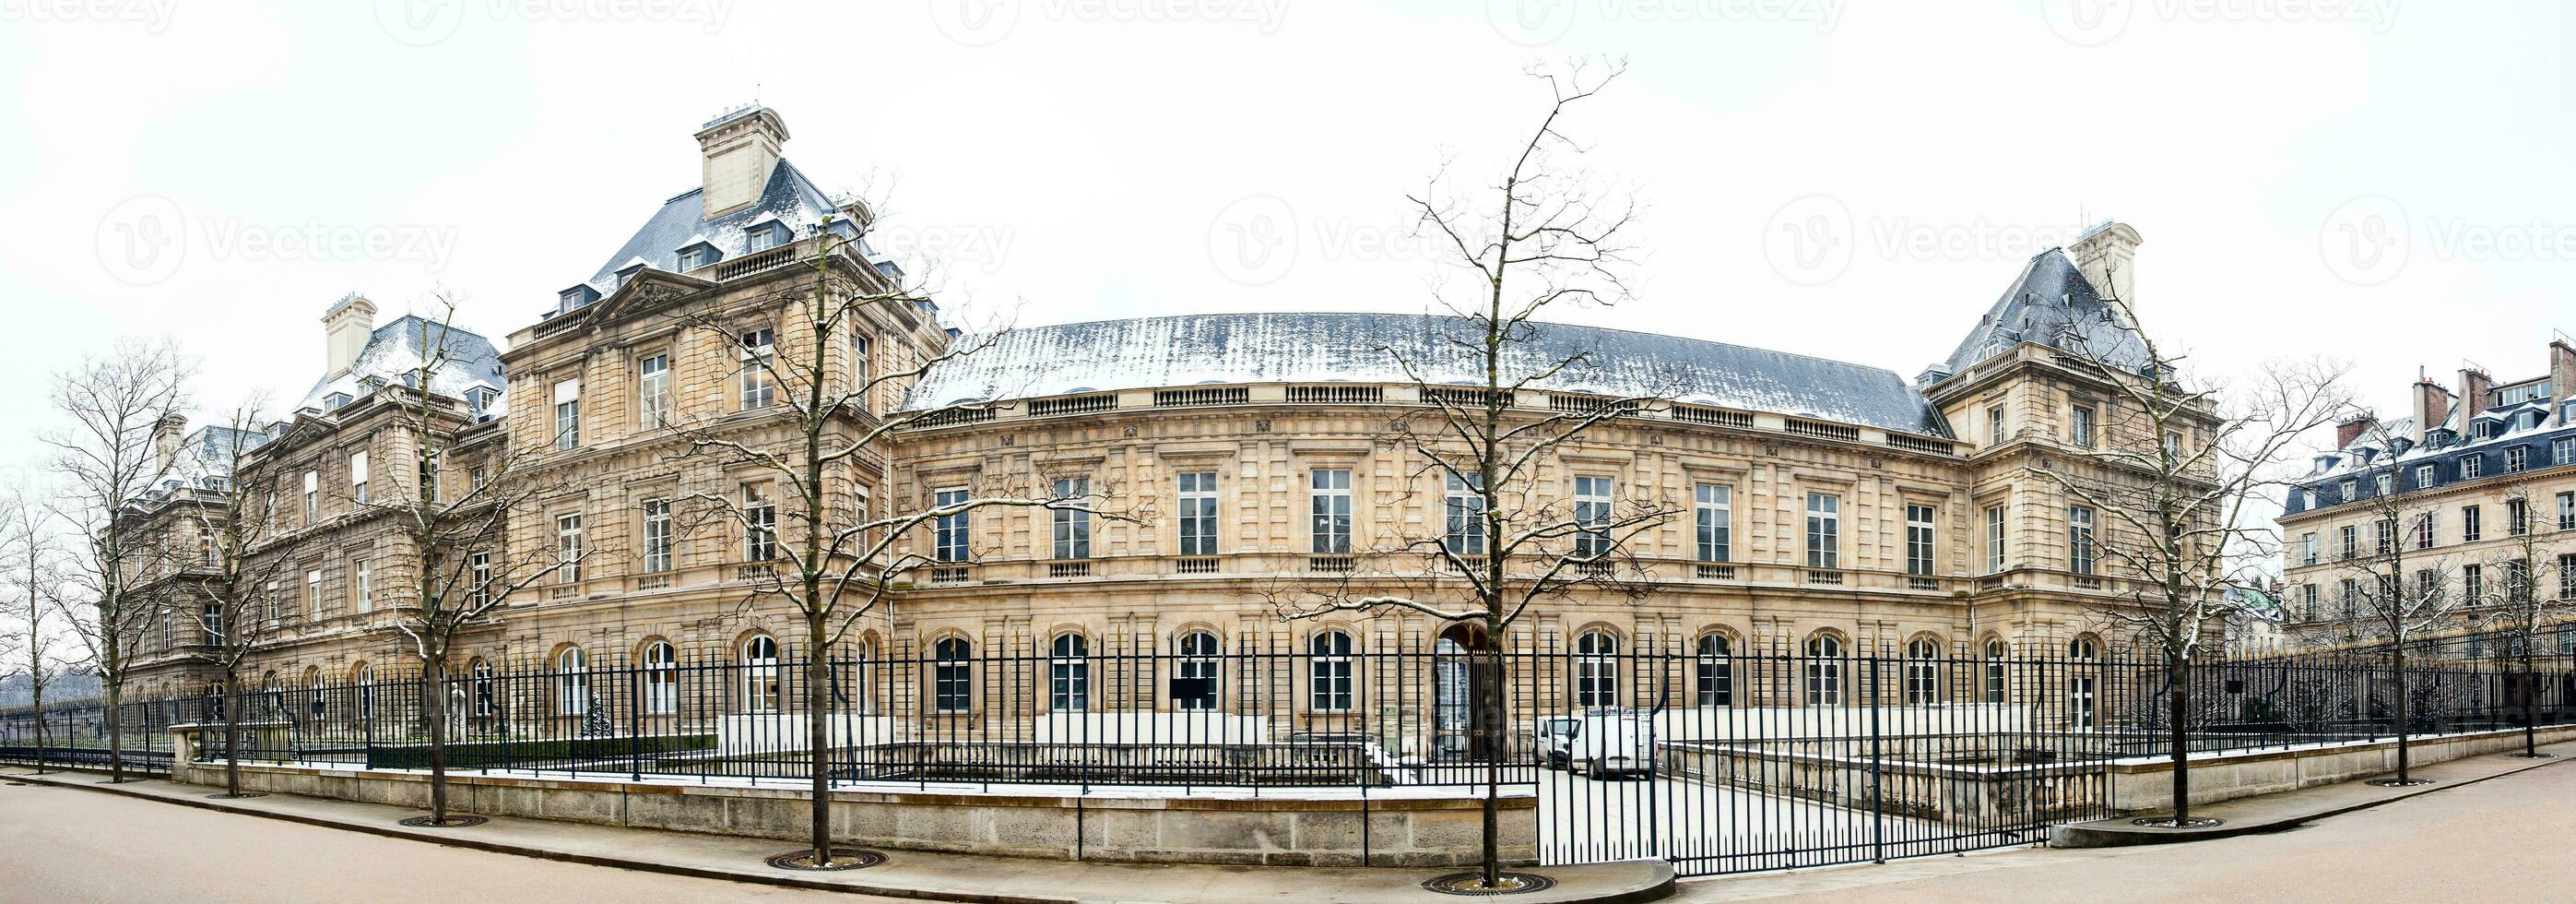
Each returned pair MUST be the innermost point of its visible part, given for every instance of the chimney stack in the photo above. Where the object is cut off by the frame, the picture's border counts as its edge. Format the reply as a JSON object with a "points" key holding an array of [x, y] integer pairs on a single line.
{"points": [[2562, 378], [345, 329], [2475, 387], [738, 149], [2432, 406], [2102, 254], [167, 436], [2352, 428]]}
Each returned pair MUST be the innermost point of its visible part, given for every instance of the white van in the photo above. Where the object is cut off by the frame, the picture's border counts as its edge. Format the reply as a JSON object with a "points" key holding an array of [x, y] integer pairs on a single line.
{"points": [[1611, 742]]}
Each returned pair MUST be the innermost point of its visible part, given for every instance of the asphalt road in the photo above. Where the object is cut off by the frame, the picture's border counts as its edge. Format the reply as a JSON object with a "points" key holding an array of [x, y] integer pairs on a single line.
{"points": [[61, 845]]}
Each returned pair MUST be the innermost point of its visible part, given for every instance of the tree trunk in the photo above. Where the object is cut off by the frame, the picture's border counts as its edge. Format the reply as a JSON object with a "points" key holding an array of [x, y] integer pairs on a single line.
{"points": [[2178, 679], [232, 737], [115, 734], [39, 700], [2402, 725], [2530, 697], [433, 674], [817, 727], [1492, 703]]}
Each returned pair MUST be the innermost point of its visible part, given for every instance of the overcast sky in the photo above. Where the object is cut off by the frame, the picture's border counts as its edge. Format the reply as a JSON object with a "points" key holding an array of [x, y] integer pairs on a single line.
{"points": [[1853, 179]]}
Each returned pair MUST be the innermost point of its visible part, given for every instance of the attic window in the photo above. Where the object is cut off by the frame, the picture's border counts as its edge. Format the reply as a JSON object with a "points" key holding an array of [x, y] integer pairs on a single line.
{"points": [[334, 401], [573, 298], [696, 256], [764, 236]]}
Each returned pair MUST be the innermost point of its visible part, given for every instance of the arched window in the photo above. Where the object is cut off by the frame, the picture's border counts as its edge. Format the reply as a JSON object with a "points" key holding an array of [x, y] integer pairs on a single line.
{"points": [[952, 676], [1194, 681], [2080, 680], [1824, 670], [760, 674], [1069, 673], [661, 679], [486, 689], [1330, 673], [1716, 670], [1922, 671], [1596, 669], [1996, 654], [362, 681], [572, 682]]}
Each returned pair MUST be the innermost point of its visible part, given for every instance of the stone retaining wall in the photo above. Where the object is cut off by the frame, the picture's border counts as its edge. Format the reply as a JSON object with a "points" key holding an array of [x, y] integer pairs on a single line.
{"points": [[2139, 786]]}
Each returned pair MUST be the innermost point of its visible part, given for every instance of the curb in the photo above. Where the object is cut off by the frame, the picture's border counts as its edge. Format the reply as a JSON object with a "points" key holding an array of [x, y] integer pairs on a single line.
{"points": [[2121, 833], [1663, 887]]}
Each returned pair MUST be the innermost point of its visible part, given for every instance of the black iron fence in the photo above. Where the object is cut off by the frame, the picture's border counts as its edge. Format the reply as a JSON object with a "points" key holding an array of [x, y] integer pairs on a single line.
{"points": [[1719, 756]]}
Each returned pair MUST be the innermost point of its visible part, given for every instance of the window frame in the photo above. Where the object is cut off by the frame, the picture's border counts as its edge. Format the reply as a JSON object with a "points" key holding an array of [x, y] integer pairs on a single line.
{"points": [[1196, 528], [1328, 506], [1824, 531]]}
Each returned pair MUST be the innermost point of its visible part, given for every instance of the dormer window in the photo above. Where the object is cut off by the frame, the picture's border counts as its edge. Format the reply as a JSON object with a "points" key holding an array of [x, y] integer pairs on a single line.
{"points": [[697, 254], [335, 401], [574, 298], [764, 235]]}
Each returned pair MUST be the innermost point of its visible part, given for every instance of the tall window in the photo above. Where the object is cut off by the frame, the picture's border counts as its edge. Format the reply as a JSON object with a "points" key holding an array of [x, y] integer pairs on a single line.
{"points": [[2563, 451], [950, 533], [1069, 673], [2385, 482], [657, 535], [759, 523], [2472, 526], [759, 354], [2079, 540], [760, 674], [1198, 513], [312, 496], [2347, 540], [1194, 684], [487, 689], [567, 549], [2080, 680], [653, 391], [358, 477], [2079, 424], [661, 679], [1329, 673], [2567, 511], [2473, 582], [1329, 498], [572, 682], [2309, 548], [2384, 532], [1716, 670], [362, 585], [1073, 525], [1824, 530], [1464, 515], [1995, 425], [1996, 654], [2517, 517], [1713, 508], [568, 414], [212, 617], [428, 474], [1922, 672], [863, 368], [1994, 539], [2424, 531], [313, 594], [1596, 669], [1918, 539], [478, 571], [1592, 511], [1824, 671], [2472, 465], [952, 677], [2423, 476], [2516, 458]]}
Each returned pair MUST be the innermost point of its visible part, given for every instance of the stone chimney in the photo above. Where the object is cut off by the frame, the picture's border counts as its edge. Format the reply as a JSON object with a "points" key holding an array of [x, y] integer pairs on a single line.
{"points": [[345, 328], [2432, 405], [738, 150], [2475, 387], [2102, 255], [2562, 378], [167, 436], [2352, 428]]}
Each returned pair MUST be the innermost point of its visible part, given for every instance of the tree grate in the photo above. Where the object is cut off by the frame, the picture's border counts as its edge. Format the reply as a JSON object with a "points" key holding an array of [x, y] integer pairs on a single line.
{"points": [[1473, 884]]}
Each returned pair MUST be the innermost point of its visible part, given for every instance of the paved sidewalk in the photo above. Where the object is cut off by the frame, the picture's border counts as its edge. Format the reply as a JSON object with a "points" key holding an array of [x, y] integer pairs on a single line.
{"points": [[906, 874], [2273, 812]]}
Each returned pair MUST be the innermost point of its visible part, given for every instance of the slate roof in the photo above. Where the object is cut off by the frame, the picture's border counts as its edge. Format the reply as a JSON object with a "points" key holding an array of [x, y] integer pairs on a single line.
{"points": [[393, 354], [789, 197], [2051, 304], [1185, 350]]}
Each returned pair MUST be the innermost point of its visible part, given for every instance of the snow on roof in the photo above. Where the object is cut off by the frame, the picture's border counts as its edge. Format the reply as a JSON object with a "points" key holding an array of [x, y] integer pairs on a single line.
{"points": [[788, 198], [1365, 348], [393, 354], [2054, 305]]}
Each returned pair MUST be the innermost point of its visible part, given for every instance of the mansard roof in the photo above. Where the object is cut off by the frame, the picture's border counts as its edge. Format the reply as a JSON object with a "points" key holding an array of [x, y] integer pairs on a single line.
{"points": [[2052, 304], [788, 198], [393, 354], [1186, 350]]}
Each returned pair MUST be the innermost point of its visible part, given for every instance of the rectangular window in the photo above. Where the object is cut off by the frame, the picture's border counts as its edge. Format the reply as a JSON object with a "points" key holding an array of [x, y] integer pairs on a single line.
{"points": [[2567, 577], [276, 606], [1592, 512], [2517, 517], [358, 477], [1464, 527], [2384, 532], [428, 476], [2472, 466], [1994, 539], [2308, 548], [657, 535], [761, 239], [653, 391], [2473, 582], [1995, 425], [362, 586], [2567, 511], [2351, 490], [2515, 458], [2423, 476], [478, 569], [2424, 531], [313, 594], [1198, 513], [1329, 688], [1824, 530], [1714, 508], [568, 414], [2384, 482], [1073, 526], [1918, 539], [1329, 502], [312, 496], [2472, 527], [863, 368], [759, 523], [759, 355], [950, 532], [2562, 451], [2079, 540], [567, 549], [2349, 540], [2308, 595], [2080, 425]]}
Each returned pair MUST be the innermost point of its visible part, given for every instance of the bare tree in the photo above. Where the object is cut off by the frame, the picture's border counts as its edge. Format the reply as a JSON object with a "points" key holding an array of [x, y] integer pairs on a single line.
{"points": [[2183, 476], [117, 403], [2521, 605], [2401, 588], [31, 560], [234, 586], [1544, 239], [814, 538], [453, 533]]}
